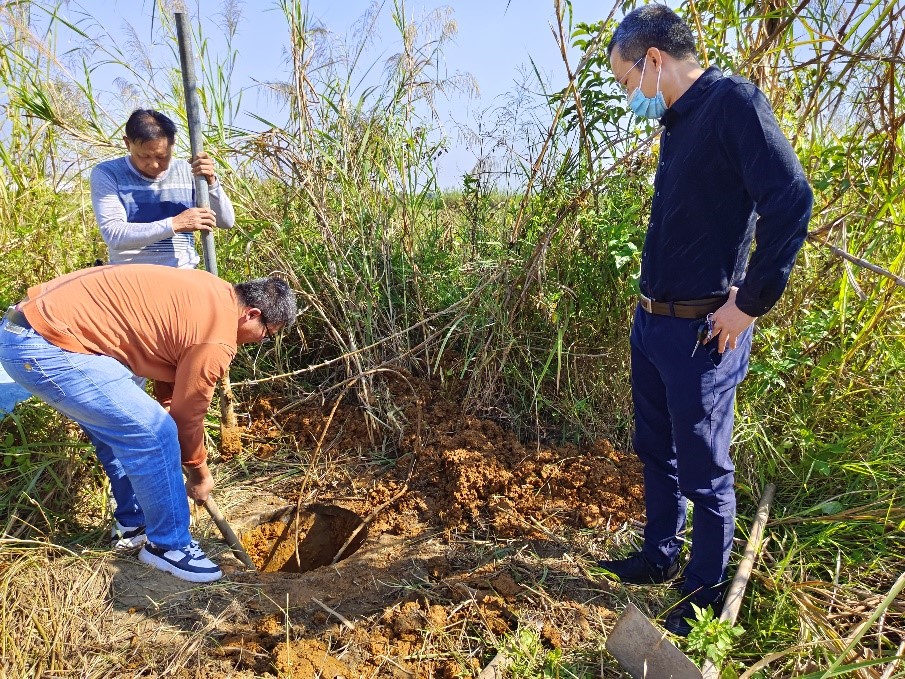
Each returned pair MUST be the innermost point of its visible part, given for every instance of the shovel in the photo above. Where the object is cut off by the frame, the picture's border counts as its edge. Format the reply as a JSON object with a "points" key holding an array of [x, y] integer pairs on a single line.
{"points": [[228, 533], [646, 653]]}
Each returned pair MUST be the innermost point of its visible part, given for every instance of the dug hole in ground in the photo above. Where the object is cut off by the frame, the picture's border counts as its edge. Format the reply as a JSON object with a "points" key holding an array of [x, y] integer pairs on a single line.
{"points": [[459, 539]]}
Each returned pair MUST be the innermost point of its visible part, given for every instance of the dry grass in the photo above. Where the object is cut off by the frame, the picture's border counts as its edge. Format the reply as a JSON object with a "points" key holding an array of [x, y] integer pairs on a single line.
{"points": [[54, 615], [58, 619]]}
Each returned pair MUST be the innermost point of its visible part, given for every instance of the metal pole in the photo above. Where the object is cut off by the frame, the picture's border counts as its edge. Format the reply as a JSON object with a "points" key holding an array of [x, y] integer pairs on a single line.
{"points": [[193, 113], [202, 199]]}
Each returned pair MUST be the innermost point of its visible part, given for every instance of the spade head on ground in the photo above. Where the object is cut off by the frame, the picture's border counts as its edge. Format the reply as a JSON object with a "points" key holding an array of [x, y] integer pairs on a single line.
{"points": [[646, 652]]}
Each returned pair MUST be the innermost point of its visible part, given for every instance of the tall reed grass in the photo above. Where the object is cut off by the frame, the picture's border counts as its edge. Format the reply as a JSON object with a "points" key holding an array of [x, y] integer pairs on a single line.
{"points": [[524, 288]]}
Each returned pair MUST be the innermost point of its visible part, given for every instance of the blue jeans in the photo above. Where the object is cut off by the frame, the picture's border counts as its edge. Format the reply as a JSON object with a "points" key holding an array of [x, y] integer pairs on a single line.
{"points": [[135, 438], [684, 414], [10, 393]]}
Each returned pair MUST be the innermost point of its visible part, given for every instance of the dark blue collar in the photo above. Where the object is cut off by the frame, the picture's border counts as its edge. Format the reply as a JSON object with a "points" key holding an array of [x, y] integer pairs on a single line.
{"points": [[692, 95]]}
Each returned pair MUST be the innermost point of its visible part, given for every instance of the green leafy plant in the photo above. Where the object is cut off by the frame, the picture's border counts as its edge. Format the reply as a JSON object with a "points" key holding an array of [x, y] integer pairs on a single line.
{"points": [[527, 657], [711, 638]]}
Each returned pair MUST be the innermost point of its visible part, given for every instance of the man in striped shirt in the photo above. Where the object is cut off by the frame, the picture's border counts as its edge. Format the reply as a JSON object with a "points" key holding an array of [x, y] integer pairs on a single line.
{"points": [[143, 202], [144, 206]]}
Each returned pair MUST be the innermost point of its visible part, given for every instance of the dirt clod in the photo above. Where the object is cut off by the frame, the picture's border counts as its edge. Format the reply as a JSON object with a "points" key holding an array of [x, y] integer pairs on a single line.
{"points": [[231, 441], [308, 659]]}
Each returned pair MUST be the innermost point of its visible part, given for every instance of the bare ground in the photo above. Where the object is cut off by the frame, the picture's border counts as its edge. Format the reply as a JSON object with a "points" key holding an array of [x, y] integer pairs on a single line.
{"points": [[472, 541]]}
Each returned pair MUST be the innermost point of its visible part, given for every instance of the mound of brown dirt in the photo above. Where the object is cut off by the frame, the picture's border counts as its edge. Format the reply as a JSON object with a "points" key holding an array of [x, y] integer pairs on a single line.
{"points": [[455, 470]]}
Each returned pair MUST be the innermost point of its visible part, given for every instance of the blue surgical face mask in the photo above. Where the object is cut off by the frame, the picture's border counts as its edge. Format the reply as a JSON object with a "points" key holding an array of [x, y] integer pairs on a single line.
{"points": [[647, 107]]}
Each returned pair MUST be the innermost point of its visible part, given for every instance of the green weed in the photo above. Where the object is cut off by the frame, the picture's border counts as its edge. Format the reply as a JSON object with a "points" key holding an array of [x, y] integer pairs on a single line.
{"points": [[711, 638]]}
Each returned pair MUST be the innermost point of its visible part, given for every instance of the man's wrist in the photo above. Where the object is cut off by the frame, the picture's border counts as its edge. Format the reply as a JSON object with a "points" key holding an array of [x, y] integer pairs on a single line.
{"points": [[749, 305], [198, 472]]}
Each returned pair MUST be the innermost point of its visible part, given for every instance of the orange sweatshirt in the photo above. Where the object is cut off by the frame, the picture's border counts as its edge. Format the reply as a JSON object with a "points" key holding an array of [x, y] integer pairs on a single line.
{"points": [[174, 326]]}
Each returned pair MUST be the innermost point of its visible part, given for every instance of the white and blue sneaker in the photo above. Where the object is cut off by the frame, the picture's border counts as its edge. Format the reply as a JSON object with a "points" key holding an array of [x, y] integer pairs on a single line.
{"points": [[189, 563], [127, 538]]}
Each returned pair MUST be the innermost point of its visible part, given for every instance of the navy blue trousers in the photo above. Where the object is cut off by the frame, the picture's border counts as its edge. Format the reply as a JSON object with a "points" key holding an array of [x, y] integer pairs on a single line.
{"points": [[684, 413]]}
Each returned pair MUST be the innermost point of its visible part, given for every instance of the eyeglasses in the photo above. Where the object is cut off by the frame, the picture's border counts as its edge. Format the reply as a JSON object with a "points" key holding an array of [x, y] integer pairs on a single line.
{"points": [[622, 81], [268, 336]]}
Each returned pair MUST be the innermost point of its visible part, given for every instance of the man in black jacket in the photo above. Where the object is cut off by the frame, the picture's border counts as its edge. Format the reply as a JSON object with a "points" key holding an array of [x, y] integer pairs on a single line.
{"points": [[726, 177]]}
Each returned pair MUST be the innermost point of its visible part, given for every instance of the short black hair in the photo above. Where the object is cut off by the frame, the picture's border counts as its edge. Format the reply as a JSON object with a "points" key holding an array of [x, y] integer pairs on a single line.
{"points": [[272, 296], [147, 125], [652, 26]]}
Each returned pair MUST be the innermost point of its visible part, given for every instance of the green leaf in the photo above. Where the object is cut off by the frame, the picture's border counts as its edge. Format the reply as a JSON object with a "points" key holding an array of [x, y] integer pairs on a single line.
{"points": [[831, 507]]}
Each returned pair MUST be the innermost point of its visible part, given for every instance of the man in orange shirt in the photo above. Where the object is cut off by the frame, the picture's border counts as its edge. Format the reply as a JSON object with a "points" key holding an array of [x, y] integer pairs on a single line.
{"points": [[76, 343]]}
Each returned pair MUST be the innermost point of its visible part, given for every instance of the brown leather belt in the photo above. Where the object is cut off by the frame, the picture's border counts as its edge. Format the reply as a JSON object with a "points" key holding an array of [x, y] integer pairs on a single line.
{"points": [[691, 308]]}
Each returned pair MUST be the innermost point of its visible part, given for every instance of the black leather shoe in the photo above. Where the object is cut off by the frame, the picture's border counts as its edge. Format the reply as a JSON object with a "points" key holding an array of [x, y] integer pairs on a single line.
{"points": [[677, 620], [637, 569]]}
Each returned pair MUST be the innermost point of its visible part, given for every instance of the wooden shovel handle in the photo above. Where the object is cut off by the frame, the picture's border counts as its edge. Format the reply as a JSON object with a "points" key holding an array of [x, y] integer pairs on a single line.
{"points": [[226, 530], [737, 588]]}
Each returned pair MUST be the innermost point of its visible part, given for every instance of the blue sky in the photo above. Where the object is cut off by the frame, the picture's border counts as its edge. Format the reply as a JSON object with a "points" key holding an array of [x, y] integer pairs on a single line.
{"points": [[493, 43]]}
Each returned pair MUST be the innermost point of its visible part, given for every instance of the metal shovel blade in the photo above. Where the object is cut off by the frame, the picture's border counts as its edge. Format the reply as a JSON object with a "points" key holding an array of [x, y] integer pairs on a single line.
{"points": [[645, 652]]}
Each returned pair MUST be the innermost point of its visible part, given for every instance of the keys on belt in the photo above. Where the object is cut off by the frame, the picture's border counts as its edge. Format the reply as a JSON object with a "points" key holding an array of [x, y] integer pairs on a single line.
{"points": [[704, 333]]}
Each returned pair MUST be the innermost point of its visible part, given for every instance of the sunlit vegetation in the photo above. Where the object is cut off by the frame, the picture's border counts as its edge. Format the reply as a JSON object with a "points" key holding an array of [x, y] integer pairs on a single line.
{"points": [[520, 286]]}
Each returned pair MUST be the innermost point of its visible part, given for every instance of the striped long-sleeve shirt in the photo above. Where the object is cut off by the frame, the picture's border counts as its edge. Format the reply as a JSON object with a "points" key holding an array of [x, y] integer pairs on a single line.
{"points": [[135, 214]]}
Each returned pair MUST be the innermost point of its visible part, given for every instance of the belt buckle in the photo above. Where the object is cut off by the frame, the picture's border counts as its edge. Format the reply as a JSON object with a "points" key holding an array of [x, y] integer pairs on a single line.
{"points": [[646, 303]]}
